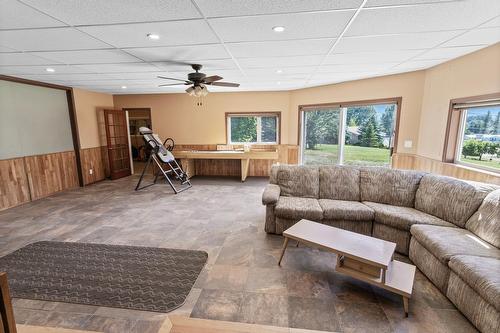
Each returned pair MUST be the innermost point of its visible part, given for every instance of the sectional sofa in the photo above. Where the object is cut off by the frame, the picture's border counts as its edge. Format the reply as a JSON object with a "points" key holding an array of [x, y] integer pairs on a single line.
{"points": [[450, 228]]}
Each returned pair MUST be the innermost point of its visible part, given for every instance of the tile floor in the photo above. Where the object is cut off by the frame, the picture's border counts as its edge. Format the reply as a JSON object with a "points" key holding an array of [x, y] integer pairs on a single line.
{"points": [[241, 281]]}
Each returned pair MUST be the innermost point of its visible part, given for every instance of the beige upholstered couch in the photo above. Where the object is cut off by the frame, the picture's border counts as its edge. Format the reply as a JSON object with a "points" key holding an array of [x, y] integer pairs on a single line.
{"points": [[449, 228]]}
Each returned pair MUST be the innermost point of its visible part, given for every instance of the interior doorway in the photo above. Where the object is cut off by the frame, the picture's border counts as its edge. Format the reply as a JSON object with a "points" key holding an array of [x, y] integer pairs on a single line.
{"points": [[137, 118]]}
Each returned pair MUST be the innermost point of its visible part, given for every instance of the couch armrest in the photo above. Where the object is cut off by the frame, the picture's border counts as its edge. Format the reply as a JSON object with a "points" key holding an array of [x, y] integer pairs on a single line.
{"points": [[271, 194]]}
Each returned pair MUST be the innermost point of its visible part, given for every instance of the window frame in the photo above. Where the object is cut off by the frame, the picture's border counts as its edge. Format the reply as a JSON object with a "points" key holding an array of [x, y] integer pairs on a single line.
{"points": [[455, 130], [302, 109], [259, 116]]}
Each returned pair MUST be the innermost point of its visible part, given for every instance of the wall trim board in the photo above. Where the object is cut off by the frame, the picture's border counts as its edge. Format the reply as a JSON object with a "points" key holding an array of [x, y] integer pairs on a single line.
{"points": [[421, 163], [72, 114]]}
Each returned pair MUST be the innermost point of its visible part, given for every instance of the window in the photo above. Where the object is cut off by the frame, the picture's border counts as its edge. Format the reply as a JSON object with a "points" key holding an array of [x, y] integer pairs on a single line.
{"points": [[478, 139], [352, 133], [253, 128]]}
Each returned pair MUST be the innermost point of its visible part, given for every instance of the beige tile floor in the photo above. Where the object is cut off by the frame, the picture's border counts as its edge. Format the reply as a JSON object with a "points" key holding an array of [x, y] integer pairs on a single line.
{"points": [[241, 281]]}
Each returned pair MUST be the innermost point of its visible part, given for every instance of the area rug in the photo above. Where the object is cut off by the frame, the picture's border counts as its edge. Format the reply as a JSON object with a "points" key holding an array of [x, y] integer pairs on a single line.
{"points": [[130, 277]]}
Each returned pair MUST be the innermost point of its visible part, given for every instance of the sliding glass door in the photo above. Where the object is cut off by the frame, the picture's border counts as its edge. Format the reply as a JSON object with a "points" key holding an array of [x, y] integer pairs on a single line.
{"points": [[351, 135]]}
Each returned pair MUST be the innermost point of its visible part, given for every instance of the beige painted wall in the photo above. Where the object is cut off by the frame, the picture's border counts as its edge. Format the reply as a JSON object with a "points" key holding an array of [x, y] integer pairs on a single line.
{"points": [[471, 75], [177, 116], [87, 103], [409, 86]]}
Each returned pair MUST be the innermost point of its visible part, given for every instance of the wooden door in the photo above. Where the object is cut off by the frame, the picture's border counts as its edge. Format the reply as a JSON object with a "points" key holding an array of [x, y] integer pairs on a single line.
{"points": [[117, 143]]}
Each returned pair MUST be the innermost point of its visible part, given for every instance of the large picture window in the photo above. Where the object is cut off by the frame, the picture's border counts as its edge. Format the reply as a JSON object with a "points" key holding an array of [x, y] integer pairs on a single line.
{"points": [[252, 128], [478, 137], [353, 133]]}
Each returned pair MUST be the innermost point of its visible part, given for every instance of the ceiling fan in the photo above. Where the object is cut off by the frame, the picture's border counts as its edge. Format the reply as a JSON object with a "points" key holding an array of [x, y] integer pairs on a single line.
{"points": [[198, 82]]}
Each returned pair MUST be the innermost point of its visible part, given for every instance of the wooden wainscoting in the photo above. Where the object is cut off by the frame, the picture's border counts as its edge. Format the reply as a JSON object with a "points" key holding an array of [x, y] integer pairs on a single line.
{"points": [[93, 159], [14, 188], [29, 178], [416, 162], [288, 154], [51, 173]]}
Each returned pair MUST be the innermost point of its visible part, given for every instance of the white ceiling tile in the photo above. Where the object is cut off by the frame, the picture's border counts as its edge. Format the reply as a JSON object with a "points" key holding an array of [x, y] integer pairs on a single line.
{"points": [[280, 62], [208, 65], [171, 33], [379, 3], [136, 75], [16, 15], [484, 36], [119, 68], [431, 17], [180, 53], [77, 12], [416, 65], [371, 57], [393, 42], [355, 68], [492, 23], [219, 8], [447, 52], [70, 77], [280, 48], [88, 56], [40, 70], [6, 49], [297, 26], [53, 39], [19, 58]]}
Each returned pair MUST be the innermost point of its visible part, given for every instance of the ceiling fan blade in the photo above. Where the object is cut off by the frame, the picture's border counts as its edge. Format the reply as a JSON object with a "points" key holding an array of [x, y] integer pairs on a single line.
{"points": [[172, 84], [212, 78], [225, 84], [188, 90], [171, 78]]}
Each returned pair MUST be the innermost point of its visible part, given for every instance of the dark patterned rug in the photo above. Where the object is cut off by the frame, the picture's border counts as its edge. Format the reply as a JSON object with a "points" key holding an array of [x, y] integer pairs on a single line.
{"points": [[131, 277]]}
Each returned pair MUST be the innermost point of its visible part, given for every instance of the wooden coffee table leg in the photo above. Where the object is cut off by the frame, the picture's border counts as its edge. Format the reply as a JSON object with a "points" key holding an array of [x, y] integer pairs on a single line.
{"points": [[405, 305], [283, 250]]}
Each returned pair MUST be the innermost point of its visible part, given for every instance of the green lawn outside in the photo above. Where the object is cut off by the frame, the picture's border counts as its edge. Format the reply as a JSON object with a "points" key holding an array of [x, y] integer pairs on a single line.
{"points": [[487, 163], [328, 154]]}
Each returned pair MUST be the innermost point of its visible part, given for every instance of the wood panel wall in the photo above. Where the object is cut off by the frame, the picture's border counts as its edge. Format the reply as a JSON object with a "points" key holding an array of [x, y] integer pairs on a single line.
{"points": [[287, 154], [14, 188], [93, 159], [416, 162], [33, 177]]}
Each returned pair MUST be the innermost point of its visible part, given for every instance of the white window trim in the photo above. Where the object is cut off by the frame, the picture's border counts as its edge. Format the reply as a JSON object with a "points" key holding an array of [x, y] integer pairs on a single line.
{"points": [[259, 128], [460, 142]]}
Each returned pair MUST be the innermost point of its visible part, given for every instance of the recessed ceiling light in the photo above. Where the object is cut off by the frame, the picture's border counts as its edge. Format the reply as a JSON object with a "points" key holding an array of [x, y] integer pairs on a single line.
{"points": [[50, 70], [279, 82], [278, 28], [279, 71], [124, 87], [153, 36]]}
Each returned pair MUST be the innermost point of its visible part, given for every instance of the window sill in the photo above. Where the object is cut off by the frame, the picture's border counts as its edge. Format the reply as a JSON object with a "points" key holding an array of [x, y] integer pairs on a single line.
{"points": [[475, 168]]}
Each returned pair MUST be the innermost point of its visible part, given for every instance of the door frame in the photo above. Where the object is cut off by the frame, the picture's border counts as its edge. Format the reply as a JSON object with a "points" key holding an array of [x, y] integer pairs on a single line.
{"points": [[302, 109], [126, 110]]}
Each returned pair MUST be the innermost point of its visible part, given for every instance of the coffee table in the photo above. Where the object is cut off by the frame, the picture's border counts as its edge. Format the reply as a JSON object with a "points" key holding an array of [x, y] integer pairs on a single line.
{"points": [[362, 257]]}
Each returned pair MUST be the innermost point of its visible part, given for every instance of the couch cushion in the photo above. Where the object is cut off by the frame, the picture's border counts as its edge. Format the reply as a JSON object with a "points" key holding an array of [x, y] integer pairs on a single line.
{"points": [[298, 181], [445, 242], [389, 186], [339, 183], [486, 221], [450, 199], [403, 217], [481, 274], [298, 208], [345, 210]]}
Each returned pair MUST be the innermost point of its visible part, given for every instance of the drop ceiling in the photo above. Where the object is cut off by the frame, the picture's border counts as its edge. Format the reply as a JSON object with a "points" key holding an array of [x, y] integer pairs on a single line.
{"points": [[102, 45]]}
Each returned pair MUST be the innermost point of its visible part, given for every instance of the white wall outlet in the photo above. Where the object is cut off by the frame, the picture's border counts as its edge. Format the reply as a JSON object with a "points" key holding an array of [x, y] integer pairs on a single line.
{"points": [[408, 143], [91, 171]]}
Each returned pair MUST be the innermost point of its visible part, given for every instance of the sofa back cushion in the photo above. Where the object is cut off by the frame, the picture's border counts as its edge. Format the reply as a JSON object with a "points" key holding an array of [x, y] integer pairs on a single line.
{"points": [[389, 186], [485, 222], [298, 181], [450, 199], [339, 183]]}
